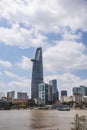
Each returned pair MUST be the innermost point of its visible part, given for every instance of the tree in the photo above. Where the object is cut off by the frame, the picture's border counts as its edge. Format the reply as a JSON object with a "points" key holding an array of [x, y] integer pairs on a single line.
{"points": [[79, 123]]}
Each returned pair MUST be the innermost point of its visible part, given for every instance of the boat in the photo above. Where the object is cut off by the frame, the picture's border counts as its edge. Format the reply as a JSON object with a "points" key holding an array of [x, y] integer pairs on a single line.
{"points": [[64, 108]]}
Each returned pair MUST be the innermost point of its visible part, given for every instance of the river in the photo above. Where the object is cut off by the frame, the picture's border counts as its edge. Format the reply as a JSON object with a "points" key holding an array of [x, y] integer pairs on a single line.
{"points": [[38, 119]]}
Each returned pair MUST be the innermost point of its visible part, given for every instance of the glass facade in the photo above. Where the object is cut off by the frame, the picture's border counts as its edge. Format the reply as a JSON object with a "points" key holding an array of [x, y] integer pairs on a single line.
{"points": [[45, 93], [81, 89], [37, 73], [55, 93], [41, 88]]}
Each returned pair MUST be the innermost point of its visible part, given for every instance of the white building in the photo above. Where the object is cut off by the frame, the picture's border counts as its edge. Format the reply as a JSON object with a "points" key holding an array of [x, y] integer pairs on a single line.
{"points": [[45, 93], [10, 95]]}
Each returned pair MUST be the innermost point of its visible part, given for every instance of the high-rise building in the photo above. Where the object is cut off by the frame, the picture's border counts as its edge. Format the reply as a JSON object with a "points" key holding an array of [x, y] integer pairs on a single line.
{"points": [[10, 95], [63, 93], [55, 93], [76, 90], [81, 89], [37, 73], [45, 93]]}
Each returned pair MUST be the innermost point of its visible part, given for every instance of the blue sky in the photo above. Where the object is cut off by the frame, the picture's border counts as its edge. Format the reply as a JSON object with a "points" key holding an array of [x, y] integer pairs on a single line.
{"points": [[58, 26]]}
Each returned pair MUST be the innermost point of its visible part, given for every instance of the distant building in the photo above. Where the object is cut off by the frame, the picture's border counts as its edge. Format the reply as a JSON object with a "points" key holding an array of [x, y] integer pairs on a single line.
{"points": [[81, 89], [45, 93], [22, 96], [19, 103], [2, 95], [76, 90], [55, 93], [10, 95], [64, 99], [37, 73], [78, 98], [63, 93], [85, 99], [67, 99]]}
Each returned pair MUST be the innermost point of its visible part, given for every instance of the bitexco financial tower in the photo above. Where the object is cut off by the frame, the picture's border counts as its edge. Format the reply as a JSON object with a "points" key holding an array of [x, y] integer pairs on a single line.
{"points": [[37, 73]]}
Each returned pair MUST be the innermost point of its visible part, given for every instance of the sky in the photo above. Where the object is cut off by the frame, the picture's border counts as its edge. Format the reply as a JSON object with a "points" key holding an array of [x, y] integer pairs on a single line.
{"points": [[59, 27]]}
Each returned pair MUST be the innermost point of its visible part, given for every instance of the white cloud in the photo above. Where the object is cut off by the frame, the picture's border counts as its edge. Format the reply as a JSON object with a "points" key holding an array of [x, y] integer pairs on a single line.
{"points": [[65, 55], [63, 79], [70, 35], [67, 81], [24, 38], [16, 80], [25, 63], [11, 75], [46, 14], [14, 76], [20, 84], [40, 16], [6, 64], [30, 20], [2, 84]]}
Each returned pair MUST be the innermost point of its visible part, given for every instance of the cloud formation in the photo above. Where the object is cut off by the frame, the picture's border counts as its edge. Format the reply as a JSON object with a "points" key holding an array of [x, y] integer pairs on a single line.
{"points": [[25, 63], [16, 80], [34, 23], [6, 64], [29, 20], [65, 55]]}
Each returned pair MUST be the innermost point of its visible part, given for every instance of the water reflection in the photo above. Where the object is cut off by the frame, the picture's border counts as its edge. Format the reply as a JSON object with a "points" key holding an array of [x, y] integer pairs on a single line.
{"points": [[43, 119]]}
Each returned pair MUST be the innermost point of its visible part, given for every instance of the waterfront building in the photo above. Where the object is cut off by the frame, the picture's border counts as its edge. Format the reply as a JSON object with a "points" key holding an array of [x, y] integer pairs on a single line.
{"points": [[76, 90], [45, 93], [10, 95], [67, 99], [64, 99], [81, 89], [55, 93], [22, 96], [64, 93], [37, 73], [78, 97], [85, 99]]}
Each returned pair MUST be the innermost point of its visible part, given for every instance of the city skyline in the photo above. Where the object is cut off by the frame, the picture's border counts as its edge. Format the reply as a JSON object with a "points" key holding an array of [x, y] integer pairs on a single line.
{"points": [[59, 27]]}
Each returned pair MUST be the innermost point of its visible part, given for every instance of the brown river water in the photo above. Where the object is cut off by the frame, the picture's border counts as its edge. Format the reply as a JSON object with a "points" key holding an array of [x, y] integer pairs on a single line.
{"points": [[38, 119]]}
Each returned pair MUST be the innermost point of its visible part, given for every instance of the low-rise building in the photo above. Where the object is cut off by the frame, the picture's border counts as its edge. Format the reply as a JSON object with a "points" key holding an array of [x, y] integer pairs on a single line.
{"points": [[22, 96], [65, 99], [78, 97], [85, 99]]}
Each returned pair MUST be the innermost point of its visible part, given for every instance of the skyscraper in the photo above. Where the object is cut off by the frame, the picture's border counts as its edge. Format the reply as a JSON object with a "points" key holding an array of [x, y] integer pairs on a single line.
{"points": [[55, 93], [37, 73], [81, 89]]}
